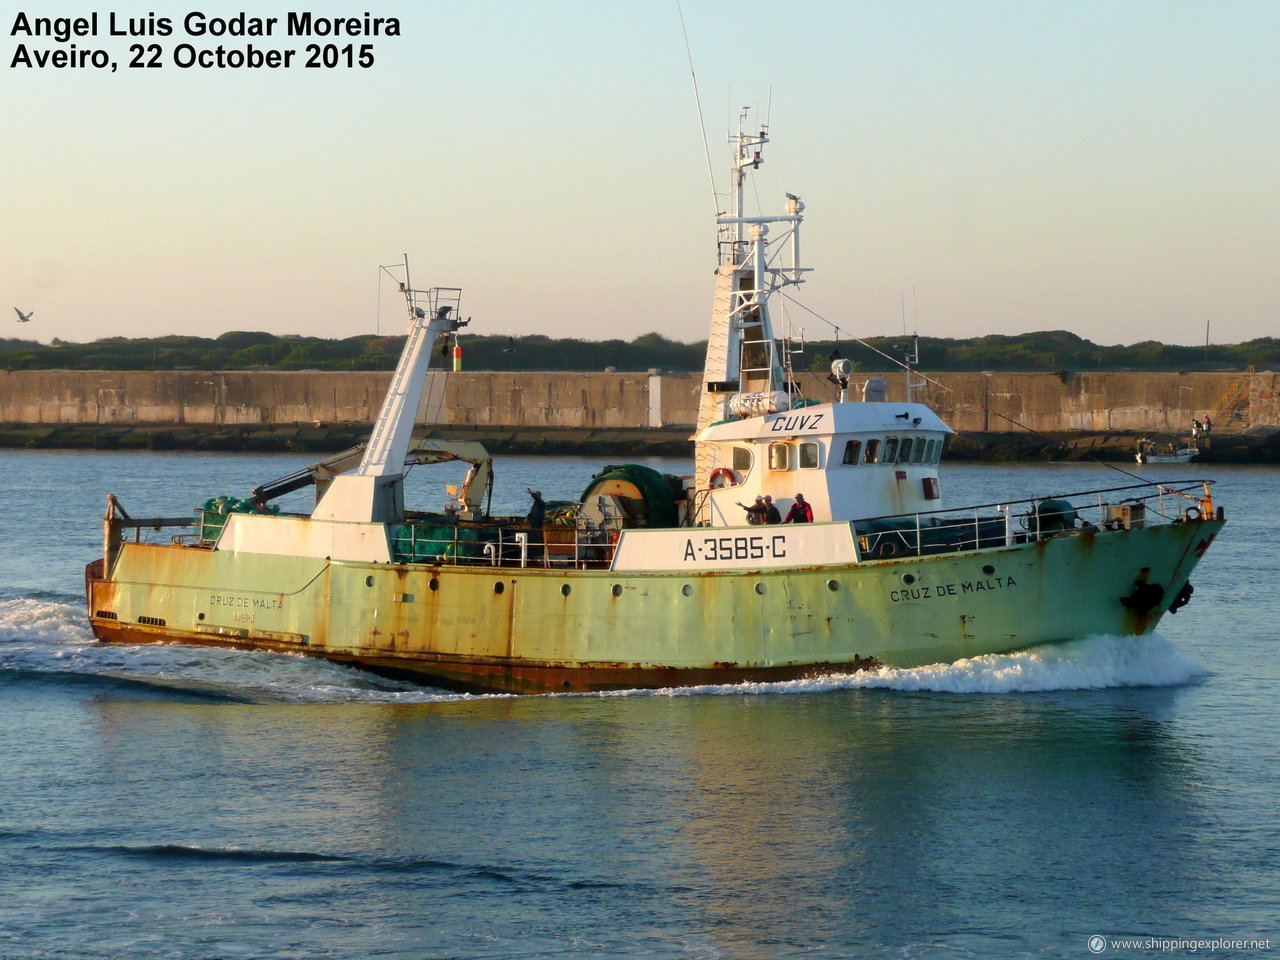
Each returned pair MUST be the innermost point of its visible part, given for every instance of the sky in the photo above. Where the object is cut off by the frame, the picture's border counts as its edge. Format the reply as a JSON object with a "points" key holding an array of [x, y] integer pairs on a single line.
{"points": [[968, 168]]}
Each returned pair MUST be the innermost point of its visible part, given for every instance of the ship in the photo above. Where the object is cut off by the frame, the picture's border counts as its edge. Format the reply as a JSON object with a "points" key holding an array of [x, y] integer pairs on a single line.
{"points": [[1149, 451], [653, 580]]}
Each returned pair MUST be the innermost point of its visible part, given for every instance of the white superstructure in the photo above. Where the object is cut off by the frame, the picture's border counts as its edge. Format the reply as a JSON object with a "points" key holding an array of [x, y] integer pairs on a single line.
{"points": [[756, 434]]}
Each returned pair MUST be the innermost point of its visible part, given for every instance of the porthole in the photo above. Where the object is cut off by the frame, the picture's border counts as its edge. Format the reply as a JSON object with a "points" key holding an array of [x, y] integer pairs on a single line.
{"points": [[988, 569], [908, 578], [368, 581], [434, 584], [617, 589], [833, 585], [687, 590], [499, 587], [761, 589], [564, 589], [199, 616]]}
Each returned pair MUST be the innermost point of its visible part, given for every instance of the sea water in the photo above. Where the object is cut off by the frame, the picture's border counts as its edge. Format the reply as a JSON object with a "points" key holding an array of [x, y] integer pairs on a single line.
{"points": [[178, 802]]}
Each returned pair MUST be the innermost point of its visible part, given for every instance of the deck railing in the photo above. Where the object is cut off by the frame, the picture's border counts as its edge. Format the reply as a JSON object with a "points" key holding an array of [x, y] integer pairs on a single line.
{"points": [[499, 545], [1035, 518], [438, 541]]}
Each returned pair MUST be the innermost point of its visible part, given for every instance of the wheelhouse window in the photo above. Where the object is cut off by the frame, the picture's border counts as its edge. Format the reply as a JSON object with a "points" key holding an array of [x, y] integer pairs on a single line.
{"points": [[873, 452], [904, 451], [809, 456], [852, 452], [778, 459], [742, 459], [890, 454], [921, 448]]}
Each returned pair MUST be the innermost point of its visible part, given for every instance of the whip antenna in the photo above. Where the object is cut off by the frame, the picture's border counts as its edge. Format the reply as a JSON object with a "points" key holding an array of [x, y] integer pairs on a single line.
{"points": [[706, 148]]}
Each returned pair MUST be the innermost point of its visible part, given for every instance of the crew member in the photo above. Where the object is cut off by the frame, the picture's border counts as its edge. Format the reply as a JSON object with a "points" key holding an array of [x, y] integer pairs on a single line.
{"points": [[800, 511], [756, 512], [771, 514], [537, 515]]}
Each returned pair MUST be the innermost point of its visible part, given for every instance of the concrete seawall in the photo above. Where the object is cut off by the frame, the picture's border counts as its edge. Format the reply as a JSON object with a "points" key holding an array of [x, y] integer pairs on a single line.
{"points": [[587, 408], [968, 401], [180, 398]]}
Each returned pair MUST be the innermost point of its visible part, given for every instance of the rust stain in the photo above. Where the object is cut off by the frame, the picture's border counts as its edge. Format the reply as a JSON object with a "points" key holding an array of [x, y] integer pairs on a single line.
{"points": [[493, 674]]}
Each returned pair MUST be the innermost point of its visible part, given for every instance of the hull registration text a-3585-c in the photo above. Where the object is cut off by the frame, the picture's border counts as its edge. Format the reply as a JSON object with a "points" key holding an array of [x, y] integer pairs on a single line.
{"points": [[706, 548]]}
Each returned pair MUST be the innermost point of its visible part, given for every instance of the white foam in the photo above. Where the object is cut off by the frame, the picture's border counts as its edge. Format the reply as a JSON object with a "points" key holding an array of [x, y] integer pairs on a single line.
{"points": [[1093, 663], [30, 627], [50, 637]]}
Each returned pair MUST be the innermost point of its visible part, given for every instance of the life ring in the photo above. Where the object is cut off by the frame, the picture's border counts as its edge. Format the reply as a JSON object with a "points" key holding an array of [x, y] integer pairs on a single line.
{"points": [[722, 477], [1192, 513], [886, 549]]}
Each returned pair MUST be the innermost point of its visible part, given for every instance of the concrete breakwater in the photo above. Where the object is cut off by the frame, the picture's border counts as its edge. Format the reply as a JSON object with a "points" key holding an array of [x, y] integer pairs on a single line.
{"points": [[610, 412]]}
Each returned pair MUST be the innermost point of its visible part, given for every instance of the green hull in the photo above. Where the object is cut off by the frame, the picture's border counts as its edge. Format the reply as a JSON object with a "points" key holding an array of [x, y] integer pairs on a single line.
{"points": [[526, 629]]}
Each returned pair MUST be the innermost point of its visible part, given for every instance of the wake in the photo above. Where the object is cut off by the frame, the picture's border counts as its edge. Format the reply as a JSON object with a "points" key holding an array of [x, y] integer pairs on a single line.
{"points": [[1092, 663], [44, 641]]}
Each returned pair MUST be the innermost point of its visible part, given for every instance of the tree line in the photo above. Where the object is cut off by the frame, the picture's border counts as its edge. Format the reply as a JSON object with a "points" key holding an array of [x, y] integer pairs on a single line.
{"points": [[1054, 350]]}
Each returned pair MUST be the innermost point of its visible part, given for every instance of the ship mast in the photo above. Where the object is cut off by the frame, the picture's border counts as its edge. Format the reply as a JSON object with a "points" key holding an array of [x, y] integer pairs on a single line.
{"points": [[746, 371]]}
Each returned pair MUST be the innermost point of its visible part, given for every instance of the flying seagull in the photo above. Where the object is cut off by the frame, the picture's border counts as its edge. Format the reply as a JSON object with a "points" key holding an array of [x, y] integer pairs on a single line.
{"points": [[23, 317]]}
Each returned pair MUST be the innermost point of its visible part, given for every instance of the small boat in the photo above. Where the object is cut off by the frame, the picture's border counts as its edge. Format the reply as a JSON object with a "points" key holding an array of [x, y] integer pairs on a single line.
{"points": [[1151, 452], [651, 580]]}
